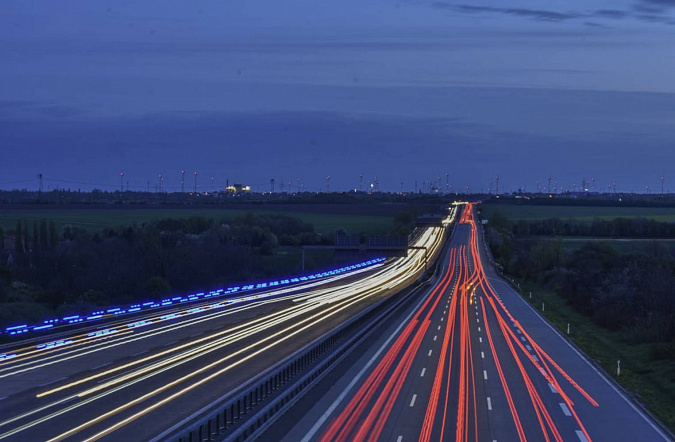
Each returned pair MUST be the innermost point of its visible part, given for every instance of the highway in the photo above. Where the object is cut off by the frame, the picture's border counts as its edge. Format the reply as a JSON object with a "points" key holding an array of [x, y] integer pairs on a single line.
{"points": [[131, 381], [469, 360]]}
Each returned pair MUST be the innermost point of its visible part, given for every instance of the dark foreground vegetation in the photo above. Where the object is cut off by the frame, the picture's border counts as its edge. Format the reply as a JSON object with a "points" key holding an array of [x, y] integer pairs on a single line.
{"points": [[621, 303], [46, 272], [630, 292]]}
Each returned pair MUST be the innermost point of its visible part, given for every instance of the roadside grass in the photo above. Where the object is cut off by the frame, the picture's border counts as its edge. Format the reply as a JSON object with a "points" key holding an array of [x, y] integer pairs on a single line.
{"points": [[649, 380], [517, 212], [94, 219]]}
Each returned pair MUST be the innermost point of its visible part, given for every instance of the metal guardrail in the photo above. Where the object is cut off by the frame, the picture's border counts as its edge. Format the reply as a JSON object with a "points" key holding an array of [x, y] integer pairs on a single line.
{"points": [[233, 419], [251, 408], [254, 406]]}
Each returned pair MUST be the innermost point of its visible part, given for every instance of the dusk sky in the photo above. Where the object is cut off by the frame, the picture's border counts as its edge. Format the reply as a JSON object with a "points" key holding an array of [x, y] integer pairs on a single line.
{"points": [[249, 90]]}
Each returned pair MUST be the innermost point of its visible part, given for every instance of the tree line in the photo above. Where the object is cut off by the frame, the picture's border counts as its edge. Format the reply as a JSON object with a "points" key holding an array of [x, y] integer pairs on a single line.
{"points": [[627, 292], [600, 228], [74, 269]]}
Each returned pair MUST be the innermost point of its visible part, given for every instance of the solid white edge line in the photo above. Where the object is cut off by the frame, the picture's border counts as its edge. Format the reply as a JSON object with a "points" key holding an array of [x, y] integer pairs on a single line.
{"points": [[599, 373]]}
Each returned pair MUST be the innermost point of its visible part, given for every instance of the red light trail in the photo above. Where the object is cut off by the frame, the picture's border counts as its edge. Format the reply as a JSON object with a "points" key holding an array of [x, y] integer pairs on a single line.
{"points": [[453, 399]]}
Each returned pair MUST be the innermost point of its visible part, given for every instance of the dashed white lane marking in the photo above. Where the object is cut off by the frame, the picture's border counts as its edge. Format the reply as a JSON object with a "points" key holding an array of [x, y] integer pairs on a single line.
{"points": [[424, 370], [565, 409], [477, 320], [435, 337], [484, 374], [482, 355], [53, 382], [478, 328], [170, 343], [319, 422], [553, 390], [535, 358], [399, 439], [489, 403], [429, 352], [522, 338], [444, 311], [518, 331], [139, 353], [412, 402], [101, 366], [439, 327], [528, 347], [480, 339], [581, 436]]}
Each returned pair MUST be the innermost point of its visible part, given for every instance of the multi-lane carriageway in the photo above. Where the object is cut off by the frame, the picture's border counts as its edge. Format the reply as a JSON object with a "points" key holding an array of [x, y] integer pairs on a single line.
{"points": [[469, 361], [133, 383]]}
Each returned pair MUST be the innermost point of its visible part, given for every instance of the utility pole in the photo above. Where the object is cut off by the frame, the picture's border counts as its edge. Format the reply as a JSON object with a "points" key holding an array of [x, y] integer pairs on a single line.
{"points": [[159, 187], [327, 183], [447, 183], [497, 180], [195, 190], [662, 180], [361, 183], [549, 184], [272, 185], [40, 188], [121, 182], [182, 181]]}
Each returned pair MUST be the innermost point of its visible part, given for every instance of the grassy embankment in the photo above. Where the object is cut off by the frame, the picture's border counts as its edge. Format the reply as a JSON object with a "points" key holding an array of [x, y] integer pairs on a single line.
{"points": [[647, 370]]}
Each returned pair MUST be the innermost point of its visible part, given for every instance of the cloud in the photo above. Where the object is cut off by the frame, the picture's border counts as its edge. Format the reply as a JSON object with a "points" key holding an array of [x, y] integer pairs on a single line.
{"points": [[536, 14], [659, 5], [610, 13], [648, 11]]}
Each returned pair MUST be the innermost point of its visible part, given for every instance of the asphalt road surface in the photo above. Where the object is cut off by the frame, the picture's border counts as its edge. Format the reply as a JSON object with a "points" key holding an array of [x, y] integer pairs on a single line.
{"points": [[131, 381], [469, 360]]}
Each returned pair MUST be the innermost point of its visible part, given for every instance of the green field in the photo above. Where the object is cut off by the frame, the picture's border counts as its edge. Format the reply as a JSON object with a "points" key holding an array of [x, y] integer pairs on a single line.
{"points": [[94, 219], [647, 370], [516, 212]]}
